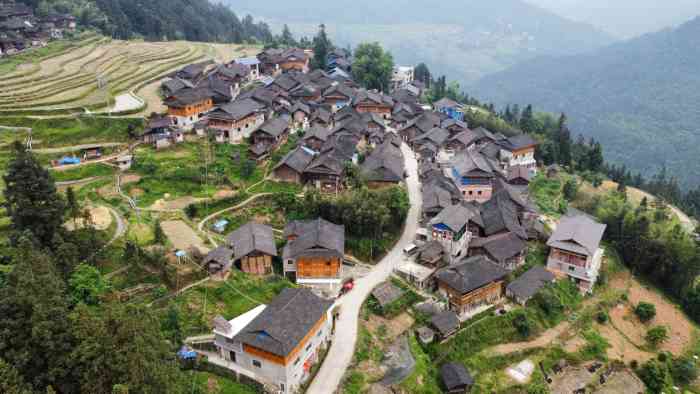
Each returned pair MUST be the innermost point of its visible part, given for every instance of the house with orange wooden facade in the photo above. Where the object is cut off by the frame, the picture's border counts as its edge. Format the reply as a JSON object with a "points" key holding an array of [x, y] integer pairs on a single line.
{"points": [[374, 102], [253, 246], [276, 344], [188, 105], [472, 285], [314, 252]]}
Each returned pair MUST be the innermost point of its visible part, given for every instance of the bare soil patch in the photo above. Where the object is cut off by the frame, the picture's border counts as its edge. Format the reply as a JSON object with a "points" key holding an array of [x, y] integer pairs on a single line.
{"points": [[620, 348], [546, 339], [394, 327], [129, 178], [224, 193], [181, 235], [178, 203], [100, 216], [136, 192]]}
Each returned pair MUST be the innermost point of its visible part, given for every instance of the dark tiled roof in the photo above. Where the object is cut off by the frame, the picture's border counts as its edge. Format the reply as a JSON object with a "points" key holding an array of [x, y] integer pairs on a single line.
{"points": [[385, 164], [529, 283], [173, 85], [445, 322], [471, 274], [188, 96], [238, 109], [500, 214], [446, 103], [315, 237], [518, 142], [317, 131], [252, 237], [578, 234], [284, 323], [455, 217], [501, 246], [297, 159], [275, 126], [299, 106], [455, 376], [221, 255], [386, 293], [468, 162], [436, 135], [339, 89], [375, 97], [518, 172]]}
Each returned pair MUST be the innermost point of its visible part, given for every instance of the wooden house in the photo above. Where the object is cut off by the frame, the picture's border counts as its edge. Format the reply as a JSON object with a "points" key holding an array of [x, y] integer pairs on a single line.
{"points": [[314, 252], [188, 105], [471, 285], [474, 174], [373, 102], [253, 248], [269, 136], [292, 166], [506, 249], [337, 96], [238, 119]]}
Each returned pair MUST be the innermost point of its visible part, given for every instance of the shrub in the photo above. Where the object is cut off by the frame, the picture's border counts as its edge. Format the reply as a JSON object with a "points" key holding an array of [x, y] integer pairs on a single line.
{"points": [[191, 211], [548, 302], [602, 316], [684, 370], [655, 375], [656, 335], [522, 324], [645, 311], [634, 364]]}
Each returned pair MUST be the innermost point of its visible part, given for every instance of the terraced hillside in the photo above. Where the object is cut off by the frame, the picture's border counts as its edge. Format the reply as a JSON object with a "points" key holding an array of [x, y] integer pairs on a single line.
{"points": [[99, 75]]}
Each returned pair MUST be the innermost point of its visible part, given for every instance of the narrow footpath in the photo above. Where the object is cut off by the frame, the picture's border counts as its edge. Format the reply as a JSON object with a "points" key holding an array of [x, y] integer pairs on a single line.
{"points": [[342, 348]]}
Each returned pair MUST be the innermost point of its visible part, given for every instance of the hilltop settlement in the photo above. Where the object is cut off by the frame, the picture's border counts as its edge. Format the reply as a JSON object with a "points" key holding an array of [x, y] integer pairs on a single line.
{"points": [[476, 215], [276, 219]]}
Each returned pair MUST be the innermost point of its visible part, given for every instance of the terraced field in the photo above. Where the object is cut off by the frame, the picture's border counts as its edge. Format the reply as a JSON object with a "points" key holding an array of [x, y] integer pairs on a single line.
{"points": [[88, 77]]}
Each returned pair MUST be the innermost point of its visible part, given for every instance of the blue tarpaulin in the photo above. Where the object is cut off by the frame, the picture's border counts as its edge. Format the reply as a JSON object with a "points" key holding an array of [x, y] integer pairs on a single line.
{"points": [[69, 160], [180, 253], [186, 353]]}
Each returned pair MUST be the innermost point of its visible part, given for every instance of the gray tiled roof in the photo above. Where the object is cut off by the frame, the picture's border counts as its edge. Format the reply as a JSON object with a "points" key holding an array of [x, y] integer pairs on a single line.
{"points": [[455, 217], [518, 142], [297, 159], [252, 237], [529, 283], [471, 274], [237, 110], [500, 214], [501, 246], [435, 135], [578, 234], [385, 163], [275, 126], [284, 323], [221, 255], [468, 162], [386, 293], [455, 376], [445, 322], [319, 237]]}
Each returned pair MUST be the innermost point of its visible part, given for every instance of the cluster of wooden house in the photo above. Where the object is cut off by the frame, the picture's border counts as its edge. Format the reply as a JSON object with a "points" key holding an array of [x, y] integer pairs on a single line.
{"points": [[263, 100], [20, 29]]}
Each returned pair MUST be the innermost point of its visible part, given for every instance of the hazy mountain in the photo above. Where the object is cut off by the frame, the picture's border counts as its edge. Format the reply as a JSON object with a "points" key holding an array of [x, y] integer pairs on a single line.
{"points": [[640, 97], [625, 18], [465, 39]]}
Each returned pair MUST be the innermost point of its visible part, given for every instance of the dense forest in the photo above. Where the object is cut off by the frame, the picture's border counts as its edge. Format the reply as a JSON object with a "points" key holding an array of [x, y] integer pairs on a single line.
{"points": [[639, 98], [194, 20]]}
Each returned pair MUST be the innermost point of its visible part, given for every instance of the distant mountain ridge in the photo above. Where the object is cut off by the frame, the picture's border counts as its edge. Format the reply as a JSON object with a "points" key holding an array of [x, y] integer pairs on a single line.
{"points": [[465, 39], [639, 97]]}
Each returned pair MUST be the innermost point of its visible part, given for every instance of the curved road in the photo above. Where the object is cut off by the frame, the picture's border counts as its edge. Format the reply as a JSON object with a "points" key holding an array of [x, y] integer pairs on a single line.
{"points": [[342, 348]]}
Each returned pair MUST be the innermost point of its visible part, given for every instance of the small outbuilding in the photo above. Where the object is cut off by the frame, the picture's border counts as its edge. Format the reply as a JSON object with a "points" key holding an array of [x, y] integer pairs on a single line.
{"points": [[386, 293], [456, 378], [425, 335], [218, 260], [529, 283], [446, 323]]}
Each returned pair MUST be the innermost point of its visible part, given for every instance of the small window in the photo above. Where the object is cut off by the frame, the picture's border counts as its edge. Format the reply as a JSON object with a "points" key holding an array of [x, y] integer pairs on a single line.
{"points": [[308, 346], [328, 263], [479, 192], [471, 192], [257, 364], [572, 268], [297, 360]]}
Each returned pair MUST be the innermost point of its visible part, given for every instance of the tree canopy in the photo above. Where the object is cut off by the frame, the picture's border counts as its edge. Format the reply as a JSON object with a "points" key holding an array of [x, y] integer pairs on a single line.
{"points": [[373, 66]]}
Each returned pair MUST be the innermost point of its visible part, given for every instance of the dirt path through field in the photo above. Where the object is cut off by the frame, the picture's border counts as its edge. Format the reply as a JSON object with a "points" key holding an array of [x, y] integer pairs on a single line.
{"points": [[543, 340]]}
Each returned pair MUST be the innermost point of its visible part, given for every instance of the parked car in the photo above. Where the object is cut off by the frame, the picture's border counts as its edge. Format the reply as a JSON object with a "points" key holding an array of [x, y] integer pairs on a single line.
{"points": [[410, 249]]}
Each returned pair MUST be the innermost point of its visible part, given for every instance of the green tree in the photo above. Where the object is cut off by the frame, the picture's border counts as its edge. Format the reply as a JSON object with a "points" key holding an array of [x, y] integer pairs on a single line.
{"points": [[527, 120], [422, 73], [657, 335], [87, 285], [322, 47], [10, 380], [287, 39], [35, 335], [31, 199], [570, 190], [119, 344], [522, 323], [655, 375], [72, 204], [158, 234], [645, 311], [564, 141], [684, 370], [373, 67]]}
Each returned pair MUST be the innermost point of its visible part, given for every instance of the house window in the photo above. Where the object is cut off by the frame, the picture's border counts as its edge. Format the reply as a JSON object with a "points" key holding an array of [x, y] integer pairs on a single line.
{"points": [[479, 192], [572, 268], [297, 360], [232, 356], [308, 346], [257, 364], [282, 386]]}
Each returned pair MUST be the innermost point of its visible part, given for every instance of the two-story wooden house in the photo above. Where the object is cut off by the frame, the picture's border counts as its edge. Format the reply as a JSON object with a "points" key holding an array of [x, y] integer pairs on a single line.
{"points": [[474, 174], [188, 105], [519, 150], [338, 96], [292, 166], [455, 226], [253, 246], [575, 250], [314, 252], [276, 344], [505, 249], [238, 119], [374, 102], [269, 136], [471, 285]]}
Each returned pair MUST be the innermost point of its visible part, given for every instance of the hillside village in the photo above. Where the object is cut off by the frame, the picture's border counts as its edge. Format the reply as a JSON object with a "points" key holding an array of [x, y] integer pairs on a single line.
{"points": [[20, 29], [297, 232]]}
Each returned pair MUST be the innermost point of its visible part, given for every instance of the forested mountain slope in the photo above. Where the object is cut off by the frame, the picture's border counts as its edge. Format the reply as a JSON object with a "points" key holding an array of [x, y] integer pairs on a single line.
{"points": [[639, 98], [193, 20], [465, 39]]}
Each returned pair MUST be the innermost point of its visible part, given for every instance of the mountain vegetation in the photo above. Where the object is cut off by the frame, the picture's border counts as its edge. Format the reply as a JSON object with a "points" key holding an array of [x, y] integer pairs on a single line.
{"points": [[639, 98], [192, 20], [464, 39]]}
